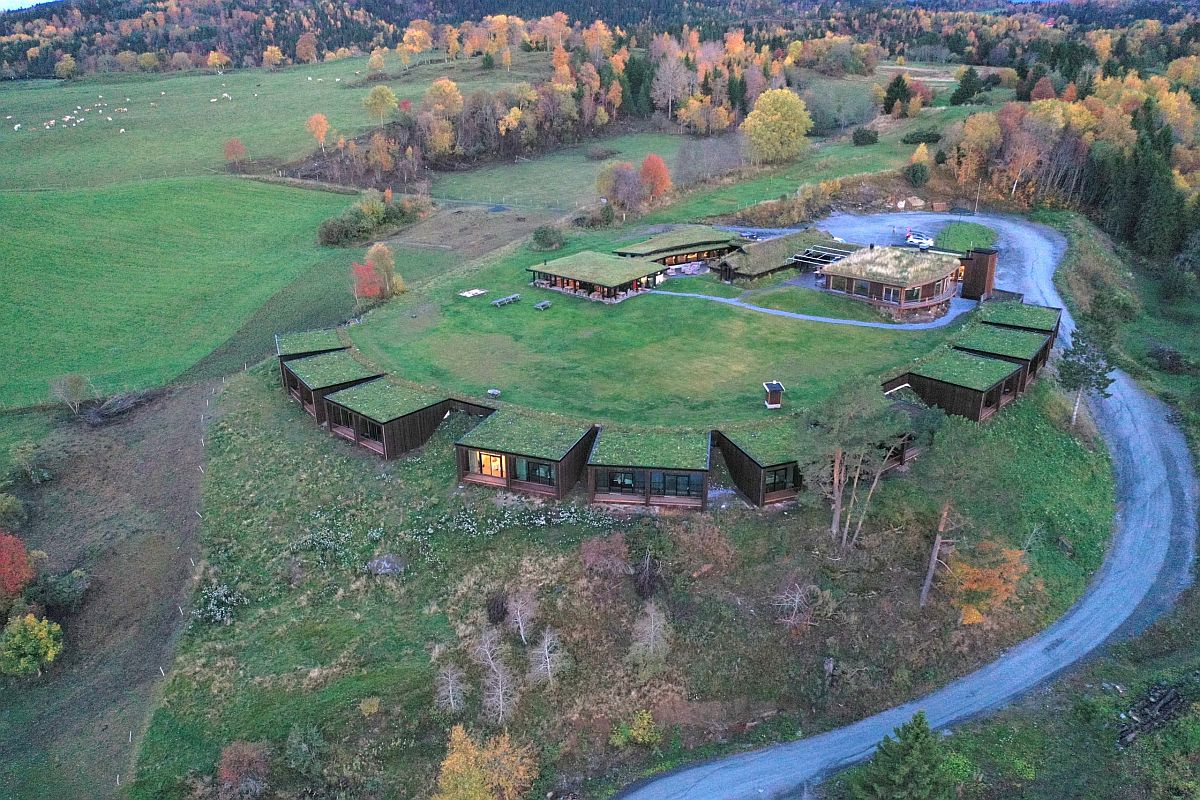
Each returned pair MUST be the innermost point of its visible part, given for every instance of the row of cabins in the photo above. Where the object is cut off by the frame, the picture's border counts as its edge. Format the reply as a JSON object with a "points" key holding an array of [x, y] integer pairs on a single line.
{"points": [[989, 366]]}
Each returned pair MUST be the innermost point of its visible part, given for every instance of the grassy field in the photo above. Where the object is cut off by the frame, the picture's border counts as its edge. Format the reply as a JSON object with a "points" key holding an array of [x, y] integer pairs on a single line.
{"points": [[183, 132], [563, 180], [960, 237], [167, 271], [802, 300], [697, 362]]}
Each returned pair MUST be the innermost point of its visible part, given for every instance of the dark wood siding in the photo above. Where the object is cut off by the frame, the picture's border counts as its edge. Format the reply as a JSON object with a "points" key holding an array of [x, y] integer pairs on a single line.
{"points": [[567, 471], [746, 473], [948, 397], [571, 468], [979, 274]]}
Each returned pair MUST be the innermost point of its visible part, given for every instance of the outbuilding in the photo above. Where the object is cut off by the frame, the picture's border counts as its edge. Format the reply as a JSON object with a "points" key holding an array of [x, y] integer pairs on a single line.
{"points": [[524, 454], [962, 383], [651, 469], [311, 378]]}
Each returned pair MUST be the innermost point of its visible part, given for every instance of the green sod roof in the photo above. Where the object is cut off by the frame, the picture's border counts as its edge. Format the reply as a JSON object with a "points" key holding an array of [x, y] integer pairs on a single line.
{"points": [[382, 400], [896, 266], [644, 449], [683, 239], [509, 432], [1042, 318], [1003, 341], [330, 369], [601, 269], [757, 258], [290, 344], [967, 370], [770, 445]]}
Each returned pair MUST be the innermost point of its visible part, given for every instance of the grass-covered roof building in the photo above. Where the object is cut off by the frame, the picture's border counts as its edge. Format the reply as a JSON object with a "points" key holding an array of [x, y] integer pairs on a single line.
{"points": [[524, 453], [683, 245], [306, 343], [1028, 349], [755, 259], [650, 468], [962, 383], [900, 281], [310, 379], [385, 417], [1022, 316], [763, 462], [598, 276]]}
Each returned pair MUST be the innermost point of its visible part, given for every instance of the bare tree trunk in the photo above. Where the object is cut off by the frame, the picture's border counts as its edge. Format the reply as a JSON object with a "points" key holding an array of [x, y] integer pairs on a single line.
{"points": [[836, 525], [1075, 410], [934, 553], [853, 498], [862, 517]]}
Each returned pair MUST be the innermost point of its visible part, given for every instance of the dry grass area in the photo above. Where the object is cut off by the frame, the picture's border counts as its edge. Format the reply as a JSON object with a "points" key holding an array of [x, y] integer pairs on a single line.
{"points": [[471, 231]]}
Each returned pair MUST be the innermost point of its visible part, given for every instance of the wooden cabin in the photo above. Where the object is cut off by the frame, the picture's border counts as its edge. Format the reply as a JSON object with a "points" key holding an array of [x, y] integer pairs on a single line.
{"points": [[524, 454], [1022, 316], [762, 462], [289, 346], [978, 274], [389, 419], [805, 251], [598, 276], [962, 383], [774, 394], [899, 281], [310, 379], [683, 245], [1028, 349], [650, 469]]}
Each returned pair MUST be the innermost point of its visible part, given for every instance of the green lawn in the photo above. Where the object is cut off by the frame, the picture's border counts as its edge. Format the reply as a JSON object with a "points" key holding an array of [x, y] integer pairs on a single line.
{"points": [[708, 284], [565, 179], [960, 237], [659, 360], [183, 133], [802, 300], [132, 285]]}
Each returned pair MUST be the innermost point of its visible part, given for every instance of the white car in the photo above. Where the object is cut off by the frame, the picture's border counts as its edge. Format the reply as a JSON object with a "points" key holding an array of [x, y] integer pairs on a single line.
{"points": [[919, 239]]}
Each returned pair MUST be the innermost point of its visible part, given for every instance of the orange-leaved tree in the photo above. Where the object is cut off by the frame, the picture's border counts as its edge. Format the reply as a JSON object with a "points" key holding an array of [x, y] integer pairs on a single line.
{"points": [[318, 126], [655, 176], [235, 151], [986, 582], [16, 569]]}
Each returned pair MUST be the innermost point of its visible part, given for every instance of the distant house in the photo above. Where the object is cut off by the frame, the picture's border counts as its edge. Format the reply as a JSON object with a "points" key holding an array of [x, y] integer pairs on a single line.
{"points": [[795, 251], [524, 454], [683, 245], [598, 276], [962, 383], [309, 379], [901, 282], [652, 469], [389, 419], [1028, 349], [762, 462], [1022, 316]]}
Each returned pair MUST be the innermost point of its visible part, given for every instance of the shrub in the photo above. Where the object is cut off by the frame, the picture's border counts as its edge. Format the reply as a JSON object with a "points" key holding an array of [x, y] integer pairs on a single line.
{"points": [[865, 136], [1169, 360], [16, 568], [12, 511], [641, 729], [497, 607], [305, 750], [29, 643], [922, 137], [26, 458], [548, 237], [365, 217], [242, 771], [917, 173], [64, 592], [939, 157], [599, 152], [217, 603]]}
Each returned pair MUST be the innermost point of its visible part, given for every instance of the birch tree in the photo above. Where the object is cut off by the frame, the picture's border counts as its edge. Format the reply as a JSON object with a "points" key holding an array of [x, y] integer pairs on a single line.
{"points": [[547, 659]]}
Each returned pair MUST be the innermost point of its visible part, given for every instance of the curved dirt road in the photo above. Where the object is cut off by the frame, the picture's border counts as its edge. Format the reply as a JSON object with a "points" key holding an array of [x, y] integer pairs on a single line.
{"points": [[1148, 564]]}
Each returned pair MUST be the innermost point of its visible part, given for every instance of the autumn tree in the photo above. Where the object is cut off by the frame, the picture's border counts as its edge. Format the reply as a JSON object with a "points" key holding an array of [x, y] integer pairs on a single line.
{"points": [[375, 63], [672, 82], [16, 569], [272, 57], [909, 767], [380, 101], [364, 282], [235, 151], [986, 581], [318, 126], [28, 644], [217, 60], [500, 769], [1043, 89], [66, 68], [443, 98], [381, 154], [72, 390], [655, 177], [306, 47], [242, 771], [1083, 368], [776, 128], [382, 261]]}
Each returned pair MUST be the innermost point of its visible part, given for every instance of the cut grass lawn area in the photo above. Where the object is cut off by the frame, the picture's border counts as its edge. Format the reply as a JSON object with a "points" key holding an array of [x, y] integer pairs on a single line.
{"points": [[802, 300], [184, 132], [708, 284], [130, 286], [665, 361], [562, 180], [960, 237]]}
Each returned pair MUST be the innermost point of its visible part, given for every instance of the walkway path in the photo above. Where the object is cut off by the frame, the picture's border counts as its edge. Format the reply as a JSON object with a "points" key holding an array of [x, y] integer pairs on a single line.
{"points": [[1148, 564]]}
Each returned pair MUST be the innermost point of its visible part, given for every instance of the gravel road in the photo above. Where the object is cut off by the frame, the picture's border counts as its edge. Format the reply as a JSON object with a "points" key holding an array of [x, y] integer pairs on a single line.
{"points": [[1148, 564]]}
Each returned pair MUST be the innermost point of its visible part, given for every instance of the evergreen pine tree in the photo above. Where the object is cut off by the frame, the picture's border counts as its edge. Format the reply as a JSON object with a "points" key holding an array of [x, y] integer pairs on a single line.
{"points": [[909, 767], [968, 86], [1083, 368], [897, 91]]}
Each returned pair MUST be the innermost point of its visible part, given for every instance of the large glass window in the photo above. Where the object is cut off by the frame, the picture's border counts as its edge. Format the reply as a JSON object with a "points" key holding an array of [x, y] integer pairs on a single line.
{"points": [[838, 283], [670, 484], [862, 288], [624, 482], [371, 430], [489, 464], [891, 295], [779, 478], [912, 295], [531, 471]]}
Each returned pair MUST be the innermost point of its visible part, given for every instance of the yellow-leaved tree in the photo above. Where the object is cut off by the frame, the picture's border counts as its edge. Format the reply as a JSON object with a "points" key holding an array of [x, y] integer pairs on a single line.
{"points": [[498, 770], [777, 126]]}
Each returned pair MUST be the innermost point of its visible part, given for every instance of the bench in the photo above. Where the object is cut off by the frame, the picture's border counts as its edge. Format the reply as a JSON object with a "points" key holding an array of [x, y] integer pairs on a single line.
{"points": [[542, 306], [503, 301]]}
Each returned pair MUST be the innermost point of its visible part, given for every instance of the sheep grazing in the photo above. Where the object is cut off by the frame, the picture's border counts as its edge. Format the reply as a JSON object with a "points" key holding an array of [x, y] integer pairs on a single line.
{"points": [[213, 100], [122, 130], [226, 95], [161, 94], [16, 127]]}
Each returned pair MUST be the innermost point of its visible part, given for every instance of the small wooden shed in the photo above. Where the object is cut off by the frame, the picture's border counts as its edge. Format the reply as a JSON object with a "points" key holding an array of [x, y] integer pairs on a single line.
{"points": [[979, 274], [962, 383], [384, 417], [309, 379], [652, 469], [1028, 349], [774, 394], [525, 454]]}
